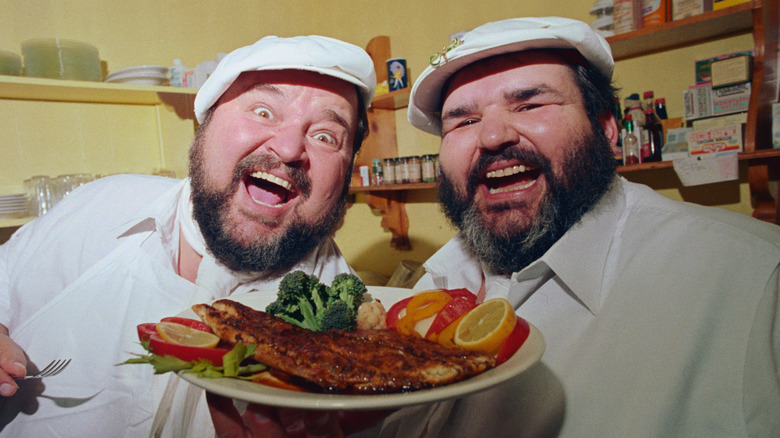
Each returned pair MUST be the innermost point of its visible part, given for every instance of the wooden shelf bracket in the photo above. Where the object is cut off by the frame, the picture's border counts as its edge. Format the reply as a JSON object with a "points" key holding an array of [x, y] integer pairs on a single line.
{"points": [[394, 219]]}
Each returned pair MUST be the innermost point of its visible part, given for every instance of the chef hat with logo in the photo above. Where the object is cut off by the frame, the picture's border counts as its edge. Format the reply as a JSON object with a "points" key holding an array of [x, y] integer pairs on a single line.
{"points": [[319, 54], [496, 38]]}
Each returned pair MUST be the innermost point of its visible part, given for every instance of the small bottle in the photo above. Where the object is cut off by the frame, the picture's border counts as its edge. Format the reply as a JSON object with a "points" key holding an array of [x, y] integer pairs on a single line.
{"points": [[377, 177], [402, 170], [415, 169], [660, 108], [647, 96], [429, 168], [388, 170], [177, 73], [631, 152], [654, 135]]}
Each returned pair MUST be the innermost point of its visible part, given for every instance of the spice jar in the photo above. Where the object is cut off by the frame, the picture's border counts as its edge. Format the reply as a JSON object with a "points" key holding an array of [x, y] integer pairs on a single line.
{"points": [[402, 170], [429, 168], [415, 169], [377, 177], [388, 170]]}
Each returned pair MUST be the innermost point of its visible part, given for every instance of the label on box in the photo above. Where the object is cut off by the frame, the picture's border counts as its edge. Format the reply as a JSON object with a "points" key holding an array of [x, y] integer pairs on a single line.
{"points": [[725, 139], [731, 99], [730, 71], [686, 8], [697, 102]]}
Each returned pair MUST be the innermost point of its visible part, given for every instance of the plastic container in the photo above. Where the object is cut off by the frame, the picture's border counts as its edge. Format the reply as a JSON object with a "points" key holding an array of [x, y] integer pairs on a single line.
{"points": [[10, 64], [58, 58], [177, 73]]}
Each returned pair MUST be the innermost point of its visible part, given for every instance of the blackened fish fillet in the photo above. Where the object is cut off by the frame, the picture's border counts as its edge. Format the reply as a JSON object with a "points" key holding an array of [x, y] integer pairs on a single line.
{"points": [[359, 361]]}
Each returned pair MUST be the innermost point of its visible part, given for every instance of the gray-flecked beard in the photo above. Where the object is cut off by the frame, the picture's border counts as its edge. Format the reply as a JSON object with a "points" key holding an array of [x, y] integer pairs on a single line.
{"points": [[265, 252], [589, 169]]}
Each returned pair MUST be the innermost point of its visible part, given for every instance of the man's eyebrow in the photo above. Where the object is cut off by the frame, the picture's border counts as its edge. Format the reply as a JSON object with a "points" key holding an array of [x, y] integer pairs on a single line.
{"points": [[271, 88], [523, 94], [459, 111], [336, 117]]}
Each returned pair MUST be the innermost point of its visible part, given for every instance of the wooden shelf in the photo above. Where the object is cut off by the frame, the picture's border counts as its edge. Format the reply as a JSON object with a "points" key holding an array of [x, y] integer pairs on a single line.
{"points": [[680, 33], [761, 154], [57, 90], [393, 187], [393, 100]]}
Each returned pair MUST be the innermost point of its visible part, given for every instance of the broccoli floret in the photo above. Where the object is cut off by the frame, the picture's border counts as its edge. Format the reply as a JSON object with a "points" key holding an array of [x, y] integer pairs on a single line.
{"points": [[300, 298], [304, 301], [338, 316], [348, 288]]}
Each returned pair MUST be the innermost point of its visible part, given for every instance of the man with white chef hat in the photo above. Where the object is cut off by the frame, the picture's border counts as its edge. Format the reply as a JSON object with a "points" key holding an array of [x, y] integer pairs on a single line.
{"points": [[660, 318], [270, 166]]}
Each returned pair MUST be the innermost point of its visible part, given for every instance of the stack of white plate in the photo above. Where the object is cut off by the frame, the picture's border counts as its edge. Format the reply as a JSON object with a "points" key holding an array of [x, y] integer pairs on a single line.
{"points": [[13, 206], [141, 75]]}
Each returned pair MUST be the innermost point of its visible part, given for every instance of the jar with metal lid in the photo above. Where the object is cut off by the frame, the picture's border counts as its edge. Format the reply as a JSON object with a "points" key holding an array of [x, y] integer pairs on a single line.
{"points": [[388, 170], [415, 169], [429, 168], [377, 176]]}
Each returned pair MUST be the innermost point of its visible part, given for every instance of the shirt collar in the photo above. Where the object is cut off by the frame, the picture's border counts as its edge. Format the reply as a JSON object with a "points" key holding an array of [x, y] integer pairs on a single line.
{"points": [[579, 258]]}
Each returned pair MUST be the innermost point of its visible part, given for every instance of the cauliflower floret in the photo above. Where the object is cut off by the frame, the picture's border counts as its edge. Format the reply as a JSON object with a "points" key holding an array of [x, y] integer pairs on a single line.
{"points": [[371, 315]]}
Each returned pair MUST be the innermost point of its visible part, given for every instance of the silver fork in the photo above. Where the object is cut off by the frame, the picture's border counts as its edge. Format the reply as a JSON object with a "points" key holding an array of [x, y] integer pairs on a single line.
{"points": [[52, 369]]}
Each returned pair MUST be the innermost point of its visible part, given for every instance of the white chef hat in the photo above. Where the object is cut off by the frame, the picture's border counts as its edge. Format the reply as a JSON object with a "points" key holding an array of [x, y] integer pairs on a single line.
{"points": [[319, 54], [506, 36]]}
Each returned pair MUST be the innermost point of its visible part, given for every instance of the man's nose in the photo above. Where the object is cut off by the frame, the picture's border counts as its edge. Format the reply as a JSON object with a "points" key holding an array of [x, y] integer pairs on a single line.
{"points": [[496, 132], [288, 142]]}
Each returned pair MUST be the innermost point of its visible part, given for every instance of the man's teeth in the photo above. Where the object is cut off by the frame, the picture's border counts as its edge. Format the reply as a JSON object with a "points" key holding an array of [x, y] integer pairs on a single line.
{"points": [[507, 171], [511, 188], [272, 178]]}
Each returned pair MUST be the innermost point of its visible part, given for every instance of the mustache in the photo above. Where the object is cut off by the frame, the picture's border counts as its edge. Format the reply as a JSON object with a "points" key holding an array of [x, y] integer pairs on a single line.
{"points": [[267, 163]]}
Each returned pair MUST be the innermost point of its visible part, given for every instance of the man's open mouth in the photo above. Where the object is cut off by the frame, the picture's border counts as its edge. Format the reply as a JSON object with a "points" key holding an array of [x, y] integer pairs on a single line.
{"points": [[511, 178], [269, 190]]}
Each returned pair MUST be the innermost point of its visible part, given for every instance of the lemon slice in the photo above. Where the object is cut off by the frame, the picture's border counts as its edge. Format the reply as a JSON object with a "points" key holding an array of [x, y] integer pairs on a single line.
{"points": [[486, 326], [184, 335]]}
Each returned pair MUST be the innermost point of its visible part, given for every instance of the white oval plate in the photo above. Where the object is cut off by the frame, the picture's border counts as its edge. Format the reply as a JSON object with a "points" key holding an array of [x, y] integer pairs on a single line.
{"points": [[524, 358]]}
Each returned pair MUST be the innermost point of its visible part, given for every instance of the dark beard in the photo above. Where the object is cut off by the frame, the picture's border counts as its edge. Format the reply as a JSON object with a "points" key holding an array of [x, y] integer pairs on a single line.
{"points": [[589, 169], [265, 252]]}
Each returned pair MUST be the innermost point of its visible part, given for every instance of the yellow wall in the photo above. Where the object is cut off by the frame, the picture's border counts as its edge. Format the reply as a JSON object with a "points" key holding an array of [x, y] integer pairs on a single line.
{"points": [[63, 138]]}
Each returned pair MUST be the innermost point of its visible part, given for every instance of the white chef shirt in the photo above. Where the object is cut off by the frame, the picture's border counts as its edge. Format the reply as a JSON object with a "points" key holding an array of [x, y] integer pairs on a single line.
{"points": [[76, 282], [660, 319]]}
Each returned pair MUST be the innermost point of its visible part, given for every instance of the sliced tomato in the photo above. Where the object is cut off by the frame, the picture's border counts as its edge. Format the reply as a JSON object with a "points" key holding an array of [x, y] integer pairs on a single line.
{"points": [[514, 341], [161, 347], [457, 306], [462, 292], [194, 323], [394, 313]]}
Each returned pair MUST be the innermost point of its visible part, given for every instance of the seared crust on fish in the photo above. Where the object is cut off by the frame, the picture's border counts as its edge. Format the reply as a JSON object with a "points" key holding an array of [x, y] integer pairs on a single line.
{"points": [[359, 361]]}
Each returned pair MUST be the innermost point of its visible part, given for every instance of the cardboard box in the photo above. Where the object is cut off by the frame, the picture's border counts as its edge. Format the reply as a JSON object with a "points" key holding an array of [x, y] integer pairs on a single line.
{"points": [[703, 67], [697, 102], [728, 138], [722, 4], [628, 15], [688, 8], [675, 144], [731, 71], [720, 121], [731, 99]]}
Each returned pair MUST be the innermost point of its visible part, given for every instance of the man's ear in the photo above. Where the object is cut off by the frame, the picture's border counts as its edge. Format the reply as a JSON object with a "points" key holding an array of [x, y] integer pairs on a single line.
{"points": [[609, 125]]}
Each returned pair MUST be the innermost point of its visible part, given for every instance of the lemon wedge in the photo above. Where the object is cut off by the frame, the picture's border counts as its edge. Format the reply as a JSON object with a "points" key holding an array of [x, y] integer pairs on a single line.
{"points": [[485, 327], [184, 335]]}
